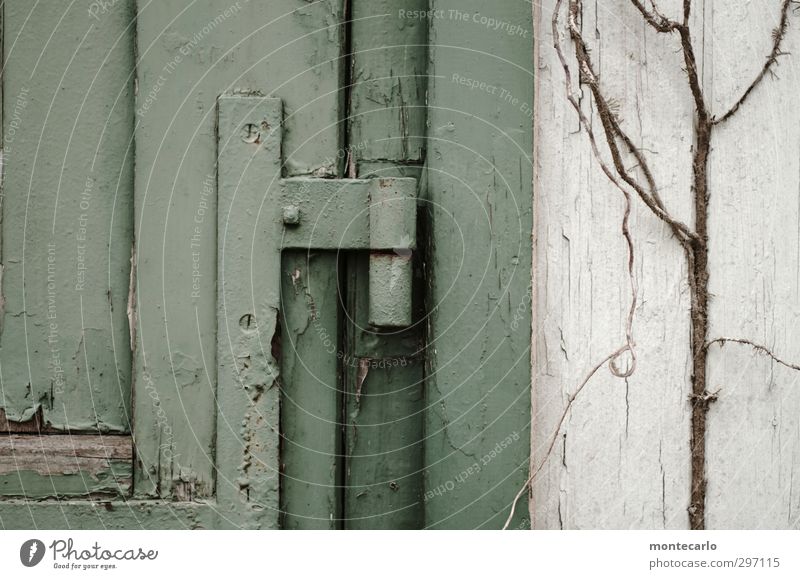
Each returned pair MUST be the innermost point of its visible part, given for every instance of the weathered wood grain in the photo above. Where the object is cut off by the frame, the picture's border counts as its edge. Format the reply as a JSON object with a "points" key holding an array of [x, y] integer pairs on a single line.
{"points": [[64, 466], [34, 425]]}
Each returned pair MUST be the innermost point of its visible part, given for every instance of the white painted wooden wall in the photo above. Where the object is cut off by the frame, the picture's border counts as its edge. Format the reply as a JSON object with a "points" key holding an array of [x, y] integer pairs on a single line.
{"points": [[625, 460]]}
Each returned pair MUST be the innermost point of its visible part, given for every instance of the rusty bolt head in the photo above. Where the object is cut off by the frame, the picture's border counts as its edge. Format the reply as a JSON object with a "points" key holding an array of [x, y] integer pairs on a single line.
{"points": [[291, 215]]}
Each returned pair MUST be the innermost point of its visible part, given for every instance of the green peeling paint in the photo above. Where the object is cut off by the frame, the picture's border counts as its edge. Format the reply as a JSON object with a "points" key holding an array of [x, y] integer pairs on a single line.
{"points": [[189, 54], [311, 399], [108, 514], [300, 214], [263, 396], [115, 482], [479, 175], [384, 415], [67, 215]]}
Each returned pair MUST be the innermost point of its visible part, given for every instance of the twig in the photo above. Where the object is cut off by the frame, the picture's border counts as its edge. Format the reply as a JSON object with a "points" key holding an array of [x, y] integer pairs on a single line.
{"points": [[757, 347], [629, 344], [612, 358], [629, 347], [777, 39], [691, 67], [654, 18], [611, 125], [552, 445]]}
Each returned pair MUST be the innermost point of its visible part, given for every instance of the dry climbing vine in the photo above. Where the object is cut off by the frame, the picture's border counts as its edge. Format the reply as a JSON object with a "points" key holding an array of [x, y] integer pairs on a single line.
{"points": [[693, 240]]}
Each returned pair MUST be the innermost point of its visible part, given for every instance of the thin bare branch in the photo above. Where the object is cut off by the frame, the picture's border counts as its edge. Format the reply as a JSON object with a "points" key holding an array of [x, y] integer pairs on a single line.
{"points": [[626, 233], [613, 358], [611, 126], [690, 61], [584, 121], [654, 17], [560, 424], [758, 347], [772, 60]]}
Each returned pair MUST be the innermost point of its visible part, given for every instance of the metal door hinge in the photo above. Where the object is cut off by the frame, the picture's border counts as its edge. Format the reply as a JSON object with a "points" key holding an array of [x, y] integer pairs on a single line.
{"points": [[376, 214]]}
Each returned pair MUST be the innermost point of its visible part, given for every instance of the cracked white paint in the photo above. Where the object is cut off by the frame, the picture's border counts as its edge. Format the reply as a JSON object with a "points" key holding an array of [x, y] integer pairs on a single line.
{"points": [[625, 462]]}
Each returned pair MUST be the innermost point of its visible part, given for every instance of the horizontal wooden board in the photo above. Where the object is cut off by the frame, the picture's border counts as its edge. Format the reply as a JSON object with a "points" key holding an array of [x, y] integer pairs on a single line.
{"points": [[106, 514], [65, 466]]}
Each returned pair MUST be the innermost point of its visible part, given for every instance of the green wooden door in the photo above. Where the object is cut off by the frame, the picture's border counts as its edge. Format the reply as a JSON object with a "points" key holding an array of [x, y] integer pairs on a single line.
{"points": [[286, 248]]}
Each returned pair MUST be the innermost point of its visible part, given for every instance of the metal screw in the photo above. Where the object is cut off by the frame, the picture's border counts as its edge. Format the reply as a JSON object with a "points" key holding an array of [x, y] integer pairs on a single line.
{"points": [[251, 134], [291, 215], [247, 322]]}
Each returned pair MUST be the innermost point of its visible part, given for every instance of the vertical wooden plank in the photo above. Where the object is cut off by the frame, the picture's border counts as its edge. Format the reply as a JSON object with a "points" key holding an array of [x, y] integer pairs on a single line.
{"points": [[2, 51], [625, 452], [189, 54], [388, 79], [67, 214], [753, 451], [311, 397], [479, 192], [622, 457], [384, 433], [383, 370]]}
